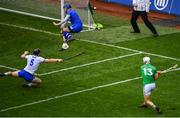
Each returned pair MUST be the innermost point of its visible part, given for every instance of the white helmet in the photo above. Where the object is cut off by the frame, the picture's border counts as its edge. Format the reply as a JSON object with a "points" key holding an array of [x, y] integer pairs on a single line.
{"points": [[146, 60]]}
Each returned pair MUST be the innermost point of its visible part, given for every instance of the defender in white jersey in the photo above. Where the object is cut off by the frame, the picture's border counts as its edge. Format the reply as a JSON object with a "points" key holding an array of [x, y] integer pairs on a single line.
{"points": [[28, 73]]}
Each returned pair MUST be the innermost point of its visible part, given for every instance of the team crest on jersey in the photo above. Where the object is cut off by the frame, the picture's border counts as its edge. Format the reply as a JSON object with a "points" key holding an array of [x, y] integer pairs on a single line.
{"points": [[161, 4]]}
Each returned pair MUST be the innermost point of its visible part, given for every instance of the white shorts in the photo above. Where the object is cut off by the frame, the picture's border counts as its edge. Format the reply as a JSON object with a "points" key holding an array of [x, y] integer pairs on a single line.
{"points": [[148, 88]]}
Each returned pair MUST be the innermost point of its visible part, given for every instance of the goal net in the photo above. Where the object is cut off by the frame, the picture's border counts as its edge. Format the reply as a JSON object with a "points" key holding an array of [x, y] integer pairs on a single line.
{"points": [[49, 9]]}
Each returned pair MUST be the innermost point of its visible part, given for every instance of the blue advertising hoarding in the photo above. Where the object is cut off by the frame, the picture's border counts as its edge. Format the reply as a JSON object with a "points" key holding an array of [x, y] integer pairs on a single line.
{"points": [[175, 7], [165, 6]]}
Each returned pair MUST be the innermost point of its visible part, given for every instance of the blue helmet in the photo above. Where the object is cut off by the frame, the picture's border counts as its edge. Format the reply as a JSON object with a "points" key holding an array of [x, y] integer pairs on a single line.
{"points": [[67, 6]]}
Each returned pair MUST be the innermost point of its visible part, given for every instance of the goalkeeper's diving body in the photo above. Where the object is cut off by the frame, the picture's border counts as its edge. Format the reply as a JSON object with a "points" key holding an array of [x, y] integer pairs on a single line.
{"points": [[149, 75], [28, 73], [76, 23]]}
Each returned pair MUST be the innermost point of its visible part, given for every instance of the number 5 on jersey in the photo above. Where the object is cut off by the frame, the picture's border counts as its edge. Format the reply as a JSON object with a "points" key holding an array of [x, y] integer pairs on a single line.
{"points": [[32, 62]]}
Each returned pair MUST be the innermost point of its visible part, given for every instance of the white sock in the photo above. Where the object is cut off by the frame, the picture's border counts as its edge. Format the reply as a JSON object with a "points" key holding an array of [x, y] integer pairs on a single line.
{"points": [[151, 104], [7, 73], [64, 39], [29, 84]]}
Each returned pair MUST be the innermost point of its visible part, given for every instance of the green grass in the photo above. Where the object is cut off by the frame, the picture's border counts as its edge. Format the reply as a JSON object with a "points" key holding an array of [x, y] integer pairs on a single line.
{"points": [[117, 100], [33, 6]]}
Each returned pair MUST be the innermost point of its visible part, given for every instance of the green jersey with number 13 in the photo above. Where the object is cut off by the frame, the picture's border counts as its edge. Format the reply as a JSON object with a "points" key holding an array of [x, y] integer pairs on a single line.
{"points": [[148, 72]]}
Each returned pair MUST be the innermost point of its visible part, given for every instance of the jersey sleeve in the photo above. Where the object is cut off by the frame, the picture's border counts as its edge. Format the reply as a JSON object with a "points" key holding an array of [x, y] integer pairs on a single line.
{"points": [[27, 56], [41, 59], [65, 19]]}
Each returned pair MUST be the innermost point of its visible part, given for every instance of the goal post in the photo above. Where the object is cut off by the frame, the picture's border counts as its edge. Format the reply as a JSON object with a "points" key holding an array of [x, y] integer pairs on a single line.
{"points": [[62, 9], [83, 9], [49, 9]]}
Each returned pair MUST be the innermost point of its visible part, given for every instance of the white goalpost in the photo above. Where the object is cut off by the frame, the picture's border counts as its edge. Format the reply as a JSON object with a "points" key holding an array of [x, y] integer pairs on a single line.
{"points": [[49, 9], [62, 10], [82, 7]]}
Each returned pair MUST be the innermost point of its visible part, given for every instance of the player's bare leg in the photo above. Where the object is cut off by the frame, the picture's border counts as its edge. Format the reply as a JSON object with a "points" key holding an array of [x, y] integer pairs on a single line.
{"points": [[35, 82], [66, 37], [143, 105], [150, 103], [14, 73], [66, 34], [66, 29]]}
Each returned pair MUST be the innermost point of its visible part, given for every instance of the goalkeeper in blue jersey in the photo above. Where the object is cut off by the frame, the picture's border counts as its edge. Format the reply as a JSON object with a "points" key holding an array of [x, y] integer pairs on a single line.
{"points": [[76, 23]]}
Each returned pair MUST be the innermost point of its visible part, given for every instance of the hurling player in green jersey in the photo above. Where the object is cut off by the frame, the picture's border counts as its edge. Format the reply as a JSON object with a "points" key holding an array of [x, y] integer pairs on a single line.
{"points": [[149, 75]]}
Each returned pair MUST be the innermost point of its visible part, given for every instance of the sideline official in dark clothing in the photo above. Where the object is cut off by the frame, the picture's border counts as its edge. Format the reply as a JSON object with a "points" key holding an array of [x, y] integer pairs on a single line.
{"points": [[141, 7]]}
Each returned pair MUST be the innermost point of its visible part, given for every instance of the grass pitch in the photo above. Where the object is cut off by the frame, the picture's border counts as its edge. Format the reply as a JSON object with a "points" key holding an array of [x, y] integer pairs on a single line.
{"points": [[86, 85]]}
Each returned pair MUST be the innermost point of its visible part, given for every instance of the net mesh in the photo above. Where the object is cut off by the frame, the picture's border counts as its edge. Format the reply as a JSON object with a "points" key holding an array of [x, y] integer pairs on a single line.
{"points": [[50, 8], [83, 9]]}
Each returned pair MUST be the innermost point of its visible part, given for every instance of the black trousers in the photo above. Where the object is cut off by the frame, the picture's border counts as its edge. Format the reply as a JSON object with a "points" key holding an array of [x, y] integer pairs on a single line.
{"points": [[143, 14]]}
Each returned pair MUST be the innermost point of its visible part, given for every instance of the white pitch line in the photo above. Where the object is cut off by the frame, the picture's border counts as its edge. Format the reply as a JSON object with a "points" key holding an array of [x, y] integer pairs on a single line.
{"points": [[109, 45], [29, 14], [74, 93], [132, 50], [36, 15], [35, 30], [79, 66], [66, 95], [11, 68], [29, 28], [88, 64]]}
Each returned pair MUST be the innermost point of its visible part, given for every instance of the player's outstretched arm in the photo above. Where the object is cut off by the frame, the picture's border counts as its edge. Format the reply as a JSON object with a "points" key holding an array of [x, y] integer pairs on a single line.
{"points": [[53, 60], [24, 54], [64, 21]]}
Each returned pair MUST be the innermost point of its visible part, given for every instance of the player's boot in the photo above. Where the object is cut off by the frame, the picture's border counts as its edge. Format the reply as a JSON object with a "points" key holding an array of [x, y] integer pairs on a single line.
{"points": [[143, 106], [71, 40], [157, 109], [25, 85], [61, 49], [2, 74], [155, 35]]}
